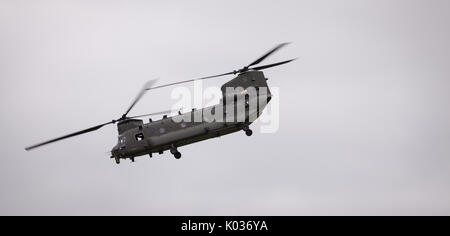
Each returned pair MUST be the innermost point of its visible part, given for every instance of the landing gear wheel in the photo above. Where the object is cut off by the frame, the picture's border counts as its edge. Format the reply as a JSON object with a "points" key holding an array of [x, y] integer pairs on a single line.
{"points": [[249, 132], [117, 160], [175, 152]]}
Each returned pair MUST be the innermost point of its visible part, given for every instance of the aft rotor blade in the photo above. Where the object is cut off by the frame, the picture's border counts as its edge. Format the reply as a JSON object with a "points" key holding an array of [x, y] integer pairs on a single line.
{"points": [[151, 114], [68, 136], [146, 87], [191, 80], [259, 60], [272, 65]]}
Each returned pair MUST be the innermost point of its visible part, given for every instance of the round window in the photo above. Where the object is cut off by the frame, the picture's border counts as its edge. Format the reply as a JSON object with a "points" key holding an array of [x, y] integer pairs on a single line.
{"points": [[162, 130]]}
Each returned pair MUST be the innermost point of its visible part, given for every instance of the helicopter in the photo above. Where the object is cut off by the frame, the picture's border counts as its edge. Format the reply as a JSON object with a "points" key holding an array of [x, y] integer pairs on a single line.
{"points": [[243, 100]]}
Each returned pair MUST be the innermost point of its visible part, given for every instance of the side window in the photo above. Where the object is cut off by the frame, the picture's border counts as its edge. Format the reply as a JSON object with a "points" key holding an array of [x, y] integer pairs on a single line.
{"points": [[122, 140], [139, 137], [152, 130]]}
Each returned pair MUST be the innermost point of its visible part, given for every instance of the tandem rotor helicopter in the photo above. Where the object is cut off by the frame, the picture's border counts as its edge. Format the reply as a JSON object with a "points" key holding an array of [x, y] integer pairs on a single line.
{"points": [[137, 139]]}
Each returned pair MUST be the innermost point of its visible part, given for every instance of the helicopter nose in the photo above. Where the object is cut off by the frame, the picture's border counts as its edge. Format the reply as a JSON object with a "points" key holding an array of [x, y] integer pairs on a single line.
{"points": [[114, 152]]}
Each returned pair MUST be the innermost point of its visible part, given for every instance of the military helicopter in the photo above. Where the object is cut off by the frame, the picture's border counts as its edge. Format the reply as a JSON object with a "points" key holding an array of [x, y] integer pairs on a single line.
{"points": [[169, 133]]}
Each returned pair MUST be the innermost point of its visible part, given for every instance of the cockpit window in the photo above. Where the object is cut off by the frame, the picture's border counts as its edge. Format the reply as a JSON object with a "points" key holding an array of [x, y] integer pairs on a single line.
{"points": [[139, 137], [122, 140]]}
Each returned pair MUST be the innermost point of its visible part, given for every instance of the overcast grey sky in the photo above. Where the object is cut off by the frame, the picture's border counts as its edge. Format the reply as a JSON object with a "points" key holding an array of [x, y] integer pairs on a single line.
{"points": [[364, 113]]}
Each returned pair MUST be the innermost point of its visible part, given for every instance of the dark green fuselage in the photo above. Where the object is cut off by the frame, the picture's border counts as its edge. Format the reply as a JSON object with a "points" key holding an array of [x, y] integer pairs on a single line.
{"points": [[137, 138]]}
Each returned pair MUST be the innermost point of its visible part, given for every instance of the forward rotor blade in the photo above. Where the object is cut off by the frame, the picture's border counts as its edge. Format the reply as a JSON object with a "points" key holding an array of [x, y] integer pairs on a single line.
{"points": [[259, 60], [151, 114], [272, 65], [68, 136], [146, 87], [191, 80]]}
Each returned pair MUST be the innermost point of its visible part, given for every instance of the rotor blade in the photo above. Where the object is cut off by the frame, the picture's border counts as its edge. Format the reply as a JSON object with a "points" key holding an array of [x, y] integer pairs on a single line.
{"points": [[191, 80], [272, 65], [68, 136], [151, 114], [147, 85], [259, 60]]}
